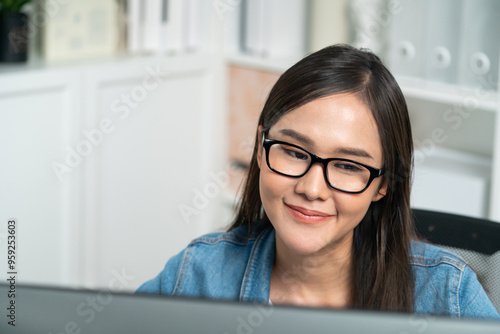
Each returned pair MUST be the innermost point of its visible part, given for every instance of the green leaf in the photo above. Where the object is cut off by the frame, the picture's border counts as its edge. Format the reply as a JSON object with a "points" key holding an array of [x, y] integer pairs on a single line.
{"points": [[9, 6]]}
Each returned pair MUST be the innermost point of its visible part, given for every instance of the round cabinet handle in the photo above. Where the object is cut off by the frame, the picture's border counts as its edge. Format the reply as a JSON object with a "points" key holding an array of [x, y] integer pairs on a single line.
{"points": [[441, 57], [406, 51], [480, 63]]}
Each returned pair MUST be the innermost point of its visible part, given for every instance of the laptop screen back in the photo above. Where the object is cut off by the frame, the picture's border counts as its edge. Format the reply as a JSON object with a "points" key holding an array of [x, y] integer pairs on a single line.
{"points": [[54, 310]]}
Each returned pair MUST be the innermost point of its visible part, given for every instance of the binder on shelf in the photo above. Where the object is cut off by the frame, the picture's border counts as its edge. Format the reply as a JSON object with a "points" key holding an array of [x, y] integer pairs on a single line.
{"points": [[480, 44], [254, 19], [152, 22], [135, 10], [271, 31], [121, 22], [173, 16], [159, 26], [368, 19], [406, 42], [80, 29], [233, 26], [328, 23], [443, 40], [285, 30], [194, 22]]}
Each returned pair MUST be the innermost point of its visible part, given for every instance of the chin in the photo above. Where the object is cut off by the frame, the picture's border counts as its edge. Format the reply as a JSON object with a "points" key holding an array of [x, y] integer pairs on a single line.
{"points": [[304, 245]]}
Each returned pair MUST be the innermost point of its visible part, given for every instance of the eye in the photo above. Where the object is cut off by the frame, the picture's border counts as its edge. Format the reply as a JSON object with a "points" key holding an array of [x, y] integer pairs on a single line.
{"points": [[347, 167], [296, 154]]}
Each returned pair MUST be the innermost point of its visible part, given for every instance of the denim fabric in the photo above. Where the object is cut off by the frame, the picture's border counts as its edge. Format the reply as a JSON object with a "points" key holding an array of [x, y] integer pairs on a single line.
{"points": [[237, 266]]}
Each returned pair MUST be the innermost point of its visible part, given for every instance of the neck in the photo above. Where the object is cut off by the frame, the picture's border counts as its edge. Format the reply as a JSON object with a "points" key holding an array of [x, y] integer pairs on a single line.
{"points": [[322, 279]]}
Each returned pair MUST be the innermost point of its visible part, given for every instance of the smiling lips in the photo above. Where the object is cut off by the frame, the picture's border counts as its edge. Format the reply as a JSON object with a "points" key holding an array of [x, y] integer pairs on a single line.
{"points": [[307, 216]]}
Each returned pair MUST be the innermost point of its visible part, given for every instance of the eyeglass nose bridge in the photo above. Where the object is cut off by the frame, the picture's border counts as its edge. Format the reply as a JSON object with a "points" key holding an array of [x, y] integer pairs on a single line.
{"points": [[322, 161]]}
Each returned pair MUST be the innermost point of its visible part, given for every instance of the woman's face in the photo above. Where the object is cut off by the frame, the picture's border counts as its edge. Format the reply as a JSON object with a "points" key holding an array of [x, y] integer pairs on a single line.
{"points": [[308, 215]]}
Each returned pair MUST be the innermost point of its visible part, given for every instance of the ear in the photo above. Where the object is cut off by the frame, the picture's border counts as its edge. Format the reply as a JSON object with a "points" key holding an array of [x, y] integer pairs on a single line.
{"points": [[259, 145], [382, 191]]}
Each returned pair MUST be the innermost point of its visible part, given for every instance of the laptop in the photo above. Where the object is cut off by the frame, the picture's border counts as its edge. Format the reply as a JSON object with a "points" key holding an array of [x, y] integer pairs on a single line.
{"points": [[51, 310]]}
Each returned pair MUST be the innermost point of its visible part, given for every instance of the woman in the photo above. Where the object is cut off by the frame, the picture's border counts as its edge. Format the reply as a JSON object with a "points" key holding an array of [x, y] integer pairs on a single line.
{"points": [[324, 219]]}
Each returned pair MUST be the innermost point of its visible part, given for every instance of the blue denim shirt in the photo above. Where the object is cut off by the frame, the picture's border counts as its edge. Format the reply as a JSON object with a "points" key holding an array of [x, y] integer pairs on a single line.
{"points": [[237, 266]]}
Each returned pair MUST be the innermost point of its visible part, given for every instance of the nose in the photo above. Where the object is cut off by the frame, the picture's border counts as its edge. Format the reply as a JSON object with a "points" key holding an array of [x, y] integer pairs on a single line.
{"points": [[313, 184]]}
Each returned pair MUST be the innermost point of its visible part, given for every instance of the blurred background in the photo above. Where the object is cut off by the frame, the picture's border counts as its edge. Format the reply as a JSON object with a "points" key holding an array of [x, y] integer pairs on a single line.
{"points": [[126, 126]]}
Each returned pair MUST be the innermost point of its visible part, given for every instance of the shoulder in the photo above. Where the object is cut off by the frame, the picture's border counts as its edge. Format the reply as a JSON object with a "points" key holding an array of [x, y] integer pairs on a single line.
{"points": [[428, 255], [212, 265], [438, 273], [445, 284]]}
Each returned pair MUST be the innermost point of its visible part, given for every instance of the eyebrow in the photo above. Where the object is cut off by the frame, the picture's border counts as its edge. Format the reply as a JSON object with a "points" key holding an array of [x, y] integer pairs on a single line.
{"points": [[296, 135], [354, 151], [343, 150]]}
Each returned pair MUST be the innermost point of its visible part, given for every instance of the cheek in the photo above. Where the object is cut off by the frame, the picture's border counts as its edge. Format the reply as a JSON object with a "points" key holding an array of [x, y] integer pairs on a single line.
{"points": [[267, 187], [353, 207], [272, 188]]}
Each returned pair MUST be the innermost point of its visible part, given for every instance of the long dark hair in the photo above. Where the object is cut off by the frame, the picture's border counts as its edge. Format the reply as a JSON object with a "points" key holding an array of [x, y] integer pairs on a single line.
{"points": [[382, 277]]}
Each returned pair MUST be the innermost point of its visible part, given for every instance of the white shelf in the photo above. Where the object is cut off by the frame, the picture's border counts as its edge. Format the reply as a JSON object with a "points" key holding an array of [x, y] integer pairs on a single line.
{"points": [[184, 60], [481, 99], [279, 65]]}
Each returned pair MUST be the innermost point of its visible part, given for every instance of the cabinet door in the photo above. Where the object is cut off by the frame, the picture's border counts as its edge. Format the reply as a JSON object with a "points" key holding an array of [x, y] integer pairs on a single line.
{"points": [[38, 115], [144, 190]]}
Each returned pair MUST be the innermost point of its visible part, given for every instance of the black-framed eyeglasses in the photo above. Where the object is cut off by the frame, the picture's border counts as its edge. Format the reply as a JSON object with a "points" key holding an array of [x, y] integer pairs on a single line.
{"points": [[345, 175]]}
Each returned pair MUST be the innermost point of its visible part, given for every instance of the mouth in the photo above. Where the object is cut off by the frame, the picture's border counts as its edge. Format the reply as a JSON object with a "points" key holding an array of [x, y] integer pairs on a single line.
{"points": [[307, 216]]}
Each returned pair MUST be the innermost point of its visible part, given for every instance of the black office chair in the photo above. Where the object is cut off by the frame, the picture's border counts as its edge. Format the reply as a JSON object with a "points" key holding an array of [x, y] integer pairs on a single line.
{"points": [[476, 240]]}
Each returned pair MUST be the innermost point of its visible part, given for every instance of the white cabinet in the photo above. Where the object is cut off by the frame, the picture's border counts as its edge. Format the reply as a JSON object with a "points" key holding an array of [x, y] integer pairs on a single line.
{"points": [[136, 143]]}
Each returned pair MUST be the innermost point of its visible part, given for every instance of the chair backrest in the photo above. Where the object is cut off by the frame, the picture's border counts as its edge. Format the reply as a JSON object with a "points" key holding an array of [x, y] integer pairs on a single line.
{"points": [[476, 240]]}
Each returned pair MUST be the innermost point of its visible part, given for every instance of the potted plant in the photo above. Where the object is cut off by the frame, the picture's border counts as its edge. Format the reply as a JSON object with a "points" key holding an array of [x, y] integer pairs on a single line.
{"points": [[13, 31]]}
